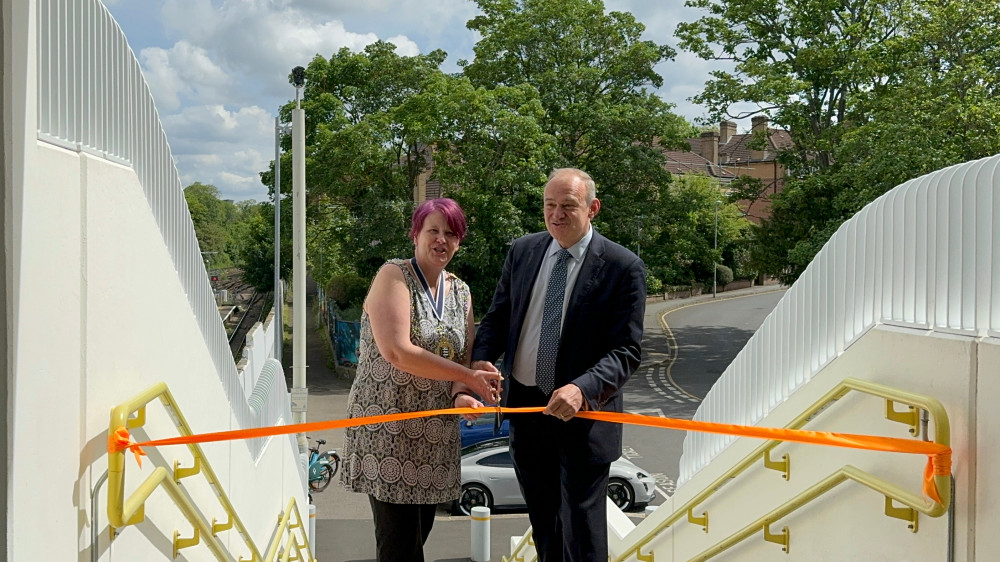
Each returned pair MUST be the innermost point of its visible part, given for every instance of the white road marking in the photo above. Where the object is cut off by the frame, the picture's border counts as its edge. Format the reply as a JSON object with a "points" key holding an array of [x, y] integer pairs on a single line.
{"points": [[659, 382]]}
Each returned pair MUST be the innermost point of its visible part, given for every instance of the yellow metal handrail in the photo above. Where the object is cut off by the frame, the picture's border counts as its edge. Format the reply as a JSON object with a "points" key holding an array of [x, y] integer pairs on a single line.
{"points": [[942, 435], [129, 511], [285, 524], [516, 555]]}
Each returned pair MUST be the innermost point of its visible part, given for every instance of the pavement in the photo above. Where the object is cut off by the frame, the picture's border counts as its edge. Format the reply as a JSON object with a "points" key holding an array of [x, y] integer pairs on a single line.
{"points": [[344, 528]]}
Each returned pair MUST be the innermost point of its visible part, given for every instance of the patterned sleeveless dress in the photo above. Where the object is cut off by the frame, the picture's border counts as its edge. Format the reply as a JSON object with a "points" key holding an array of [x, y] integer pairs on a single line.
{"points": [[414, 461]]}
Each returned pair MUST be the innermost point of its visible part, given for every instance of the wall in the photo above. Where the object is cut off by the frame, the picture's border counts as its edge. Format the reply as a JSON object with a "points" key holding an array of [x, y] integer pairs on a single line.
{"points": [[848, 523], [103, 316], [6, 358]]}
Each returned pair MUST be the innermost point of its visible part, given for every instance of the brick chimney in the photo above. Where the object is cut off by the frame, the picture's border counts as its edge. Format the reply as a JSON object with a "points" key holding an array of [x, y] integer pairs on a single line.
{"points": [[727, 129], [710, 146], [759, 128]]}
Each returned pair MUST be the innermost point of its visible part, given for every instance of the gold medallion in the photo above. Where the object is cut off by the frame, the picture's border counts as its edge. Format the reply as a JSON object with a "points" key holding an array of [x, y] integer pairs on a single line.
{"points": [[445, 348]]}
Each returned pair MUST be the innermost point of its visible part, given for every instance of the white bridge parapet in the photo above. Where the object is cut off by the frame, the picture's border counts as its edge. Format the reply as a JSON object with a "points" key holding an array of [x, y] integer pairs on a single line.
{"points": [[924, 255], [106, 294]]}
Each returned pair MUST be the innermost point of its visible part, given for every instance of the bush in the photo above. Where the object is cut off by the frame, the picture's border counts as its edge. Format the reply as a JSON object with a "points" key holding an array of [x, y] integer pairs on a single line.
{"points": [[653, 285], [724, 275], [348, 290]]}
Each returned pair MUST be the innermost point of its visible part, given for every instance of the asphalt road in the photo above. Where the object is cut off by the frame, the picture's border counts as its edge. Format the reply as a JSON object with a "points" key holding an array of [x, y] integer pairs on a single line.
{"points": [[685, 352], [687, 345]]}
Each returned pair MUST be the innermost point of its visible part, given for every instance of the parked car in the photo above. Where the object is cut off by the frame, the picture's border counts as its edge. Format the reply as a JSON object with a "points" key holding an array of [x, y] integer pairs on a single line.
{"points": [[482, 429], [488, 479]]}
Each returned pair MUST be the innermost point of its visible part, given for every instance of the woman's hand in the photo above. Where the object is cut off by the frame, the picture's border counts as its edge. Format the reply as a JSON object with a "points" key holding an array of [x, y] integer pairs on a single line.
{"points": [[465, 401]]}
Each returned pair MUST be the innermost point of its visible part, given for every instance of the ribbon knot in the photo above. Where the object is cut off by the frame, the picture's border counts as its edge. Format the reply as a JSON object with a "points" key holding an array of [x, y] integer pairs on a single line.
{"points": [[120, 441]]}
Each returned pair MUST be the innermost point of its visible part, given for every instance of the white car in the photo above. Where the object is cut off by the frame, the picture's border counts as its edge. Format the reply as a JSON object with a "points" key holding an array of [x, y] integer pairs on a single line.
{"points": [[488, 479]]}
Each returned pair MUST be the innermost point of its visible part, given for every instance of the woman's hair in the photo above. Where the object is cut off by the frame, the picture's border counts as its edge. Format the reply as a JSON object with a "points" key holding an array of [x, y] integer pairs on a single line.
{"points": [[448, 207]]}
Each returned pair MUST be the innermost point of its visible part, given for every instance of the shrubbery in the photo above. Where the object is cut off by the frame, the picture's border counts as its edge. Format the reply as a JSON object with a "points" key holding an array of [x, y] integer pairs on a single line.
{"points": [[724, 275]]}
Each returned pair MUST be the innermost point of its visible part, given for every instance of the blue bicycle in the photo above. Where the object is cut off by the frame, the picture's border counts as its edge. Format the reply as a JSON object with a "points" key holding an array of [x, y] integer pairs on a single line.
{"points": [[322, 466]]}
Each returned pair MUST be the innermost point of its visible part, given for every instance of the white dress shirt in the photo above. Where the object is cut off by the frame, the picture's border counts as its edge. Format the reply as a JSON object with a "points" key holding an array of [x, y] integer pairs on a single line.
{"points": [[526, 357]]}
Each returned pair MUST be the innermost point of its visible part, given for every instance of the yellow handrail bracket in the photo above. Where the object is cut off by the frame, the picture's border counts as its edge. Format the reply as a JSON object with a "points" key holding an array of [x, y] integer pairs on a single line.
{"points": [[703, 520], [219, 527], [181, 473], [907, 514], [777, 538], [783, 466], [908, 417], [180, 543]]}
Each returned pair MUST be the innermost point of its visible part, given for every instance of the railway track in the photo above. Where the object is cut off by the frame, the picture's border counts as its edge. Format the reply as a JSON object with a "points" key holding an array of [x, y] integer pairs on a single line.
{"points": [[247, 309], [249, 314]]}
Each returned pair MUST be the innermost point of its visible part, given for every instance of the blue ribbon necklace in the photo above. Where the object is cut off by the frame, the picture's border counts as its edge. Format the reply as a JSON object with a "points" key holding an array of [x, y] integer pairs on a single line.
{"points": [[437, 305]]}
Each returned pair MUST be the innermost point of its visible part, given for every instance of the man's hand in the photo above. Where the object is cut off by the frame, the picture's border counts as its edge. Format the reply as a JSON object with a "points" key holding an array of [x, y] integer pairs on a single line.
{"points": [[565, 402], [484, 366], [496, 386]]}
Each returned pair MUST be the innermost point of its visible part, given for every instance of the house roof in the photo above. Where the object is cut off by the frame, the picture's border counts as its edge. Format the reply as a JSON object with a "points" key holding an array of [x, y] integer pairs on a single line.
{"points": [[737, 149], [684, 162]]}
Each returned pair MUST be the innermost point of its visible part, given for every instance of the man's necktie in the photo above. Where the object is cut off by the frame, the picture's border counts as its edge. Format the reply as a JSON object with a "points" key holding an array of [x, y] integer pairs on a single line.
{"points": [[548, 340]]}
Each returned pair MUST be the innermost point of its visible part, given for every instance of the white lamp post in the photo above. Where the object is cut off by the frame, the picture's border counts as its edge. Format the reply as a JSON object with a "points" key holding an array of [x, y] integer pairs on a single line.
{"points": [[715, 249], [300, 392]]}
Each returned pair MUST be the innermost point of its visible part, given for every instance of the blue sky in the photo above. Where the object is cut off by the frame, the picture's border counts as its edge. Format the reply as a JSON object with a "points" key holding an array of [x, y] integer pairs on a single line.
{"points": [[218, 69]]}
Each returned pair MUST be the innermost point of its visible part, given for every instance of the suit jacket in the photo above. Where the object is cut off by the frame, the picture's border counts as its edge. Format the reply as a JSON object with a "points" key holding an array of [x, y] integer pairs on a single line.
{"points": [[600, 342]]}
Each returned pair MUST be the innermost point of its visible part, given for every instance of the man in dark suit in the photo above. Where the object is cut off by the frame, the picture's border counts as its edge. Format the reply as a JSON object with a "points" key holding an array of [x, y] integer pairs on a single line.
{"points": [[567, 317]]}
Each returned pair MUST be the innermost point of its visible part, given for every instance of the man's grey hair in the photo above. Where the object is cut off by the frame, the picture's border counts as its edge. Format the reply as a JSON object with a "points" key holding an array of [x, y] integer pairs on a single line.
{"points": [[588, 181]]}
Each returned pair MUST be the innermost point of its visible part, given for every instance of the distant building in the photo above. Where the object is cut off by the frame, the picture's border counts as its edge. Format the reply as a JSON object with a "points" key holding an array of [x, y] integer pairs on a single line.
{"points": [[426, 187], [726, 155]]}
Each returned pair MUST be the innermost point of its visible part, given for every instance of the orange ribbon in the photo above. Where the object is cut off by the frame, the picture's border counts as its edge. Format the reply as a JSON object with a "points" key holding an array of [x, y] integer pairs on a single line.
{"points": [[120, 441], [938, 456]]}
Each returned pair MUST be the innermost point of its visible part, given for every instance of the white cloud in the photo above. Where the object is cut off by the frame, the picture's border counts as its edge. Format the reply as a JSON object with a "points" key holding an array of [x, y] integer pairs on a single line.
{"points": [[207, 124], [183, 73], [262, 41], [227, 149]]}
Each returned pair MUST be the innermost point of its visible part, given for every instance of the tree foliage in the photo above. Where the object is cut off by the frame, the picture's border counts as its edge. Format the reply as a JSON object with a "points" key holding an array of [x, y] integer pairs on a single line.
{"points": [[213, 219], [592, 72], [801, 62], [873, 94], [553, 83], [253, 247], [682, 246]]}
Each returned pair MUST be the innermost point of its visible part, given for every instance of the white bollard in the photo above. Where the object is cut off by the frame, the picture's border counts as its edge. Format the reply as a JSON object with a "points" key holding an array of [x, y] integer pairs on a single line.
{"points": [[312, 528], [480, 534]]}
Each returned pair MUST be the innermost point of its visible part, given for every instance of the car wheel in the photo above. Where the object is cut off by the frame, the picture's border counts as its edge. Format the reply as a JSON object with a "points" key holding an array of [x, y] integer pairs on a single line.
{"points": [[621, 493], [474, 495]]}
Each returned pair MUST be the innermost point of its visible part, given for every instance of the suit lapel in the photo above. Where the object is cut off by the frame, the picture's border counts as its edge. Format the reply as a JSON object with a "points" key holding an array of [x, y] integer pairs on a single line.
{"points": [[586, 281], [532, 258]]}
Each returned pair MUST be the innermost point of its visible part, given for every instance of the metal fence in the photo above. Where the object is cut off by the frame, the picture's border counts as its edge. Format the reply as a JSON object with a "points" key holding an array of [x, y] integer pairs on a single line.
{"points": [[345, 335], [924, 255], [93, 98]]}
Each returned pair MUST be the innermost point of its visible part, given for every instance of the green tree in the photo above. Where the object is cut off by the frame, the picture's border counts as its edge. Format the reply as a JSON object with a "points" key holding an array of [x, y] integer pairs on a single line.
{"points": [[213, 219], [593, 74], [363, 156], [252, 246], [490, 155], [399, 115], [801, 62], [682, 251]]}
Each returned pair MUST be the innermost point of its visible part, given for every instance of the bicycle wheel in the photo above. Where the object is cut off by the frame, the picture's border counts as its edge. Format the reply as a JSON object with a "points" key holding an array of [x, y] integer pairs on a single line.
{"points": [[334, 462], [321, 483]]}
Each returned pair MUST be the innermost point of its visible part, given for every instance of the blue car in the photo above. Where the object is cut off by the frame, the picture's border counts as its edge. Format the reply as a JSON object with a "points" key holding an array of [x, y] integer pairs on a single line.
{"points": [[482, 429]]}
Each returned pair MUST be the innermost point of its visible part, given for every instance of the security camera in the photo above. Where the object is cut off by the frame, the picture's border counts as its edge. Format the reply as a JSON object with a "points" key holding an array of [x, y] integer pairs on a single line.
{"points": [[298, 76]]}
